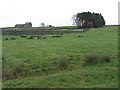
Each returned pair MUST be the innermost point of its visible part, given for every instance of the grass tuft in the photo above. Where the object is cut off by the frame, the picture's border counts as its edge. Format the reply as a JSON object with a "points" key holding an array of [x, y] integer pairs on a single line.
{"points": [[95, 58], [18, 69], [62, 63]]}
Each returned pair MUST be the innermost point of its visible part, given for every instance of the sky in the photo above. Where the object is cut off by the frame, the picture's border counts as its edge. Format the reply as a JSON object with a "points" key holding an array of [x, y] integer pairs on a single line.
{"points": [[54, 12]]}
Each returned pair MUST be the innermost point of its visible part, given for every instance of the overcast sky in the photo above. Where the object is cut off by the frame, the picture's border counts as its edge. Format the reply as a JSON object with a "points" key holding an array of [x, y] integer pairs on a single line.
{"points": [[54, 12]]}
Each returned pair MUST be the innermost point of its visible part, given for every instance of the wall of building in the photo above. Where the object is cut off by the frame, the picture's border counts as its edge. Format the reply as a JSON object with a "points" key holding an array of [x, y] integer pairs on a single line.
{"points": [[26, 25]]}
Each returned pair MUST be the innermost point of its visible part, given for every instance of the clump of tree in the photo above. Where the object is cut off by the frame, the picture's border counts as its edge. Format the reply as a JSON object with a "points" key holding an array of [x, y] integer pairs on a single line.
{"points": [[89, 20], [42, 24]]}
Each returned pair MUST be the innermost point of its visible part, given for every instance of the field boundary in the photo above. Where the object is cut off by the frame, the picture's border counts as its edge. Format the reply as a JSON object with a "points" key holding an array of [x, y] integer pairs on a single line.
{"points": [[40, 32]]}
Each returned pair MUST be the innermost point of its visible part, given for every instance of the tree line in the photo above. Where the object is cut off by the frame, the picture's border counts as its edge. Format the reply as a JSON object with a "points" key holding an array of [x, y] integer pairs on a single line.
{"points": [[88, 20]]}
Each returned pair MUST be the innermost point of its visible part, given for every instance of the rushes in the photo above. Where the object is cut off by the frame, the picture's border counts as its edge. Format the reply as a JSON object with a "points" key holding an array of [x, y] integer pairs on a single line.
{"points": [[95, 58]]}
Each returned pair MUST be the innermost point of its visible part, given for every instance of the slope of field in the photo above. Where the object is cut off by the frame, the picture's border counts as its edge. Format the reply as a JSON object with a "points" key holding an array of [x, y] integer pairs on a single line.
{"points": [[58, 61]]}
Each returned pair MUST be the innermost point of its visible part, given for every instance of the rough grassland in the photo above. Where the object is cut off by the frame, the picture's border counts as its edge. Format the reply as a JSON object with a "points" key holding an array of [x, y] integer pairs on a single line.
{"points": [[35, 63]]}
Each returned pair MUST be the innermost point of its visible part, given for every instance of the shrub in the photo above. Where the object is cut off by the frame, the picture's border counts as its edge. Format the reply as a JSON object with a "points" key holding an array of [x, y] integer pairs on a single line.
{"points": [[6, 39], [23, 36], [3, 58], [53, 36], [13, 38], [31, 37], [94, 59], [38, 37], [80, 36], [44, 38], [57, 36]]}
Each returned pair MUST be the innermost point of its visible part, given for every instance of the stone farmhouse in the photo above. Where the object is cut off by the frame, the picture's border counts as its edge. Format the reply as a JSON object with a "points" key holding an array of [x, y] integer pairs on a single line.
{"points": [[26, 25]]}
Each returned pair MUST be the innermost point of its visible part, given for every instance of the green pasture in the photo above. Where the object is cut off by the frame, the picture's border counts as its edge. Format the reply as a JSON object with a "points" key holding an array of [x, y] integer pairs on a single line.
{"points": [[58, 62]]}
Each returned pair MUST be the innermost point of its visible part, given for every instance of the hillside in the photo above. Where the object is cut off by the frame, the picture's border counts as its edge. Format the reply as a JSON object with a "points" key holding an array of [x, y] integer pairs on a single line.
{"points": [[60, 61]]}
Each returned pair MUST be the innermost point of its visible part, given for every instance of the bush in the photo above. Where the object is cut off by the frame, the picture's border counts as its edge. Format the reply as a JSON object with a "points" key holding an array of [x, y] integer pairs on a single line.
{"points": [[80, 36], [23, 36], [44, 38], [56, 36], [38, 37], [31, 37], [6, 39], [13, 38], [94, 59], [3, 58]]}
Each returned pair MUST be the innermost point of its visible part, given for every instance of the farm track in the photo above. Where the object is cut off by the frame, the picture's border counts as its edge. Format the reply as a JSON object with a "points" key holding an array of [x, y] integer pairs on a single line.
{"points": [[38, 32]]}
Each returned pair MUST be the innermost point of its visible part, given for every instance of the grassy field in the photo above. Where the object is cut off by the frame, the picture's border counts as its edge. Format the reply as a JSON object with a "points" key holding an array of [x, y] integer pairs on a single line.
{"points": [[74, 60]]}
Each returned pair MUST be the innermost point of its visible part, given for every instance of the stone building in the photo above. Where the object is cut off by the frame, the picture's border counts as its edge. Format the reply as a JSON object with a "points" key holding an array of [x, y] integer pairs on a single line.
{"points": [[26, 25]]}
